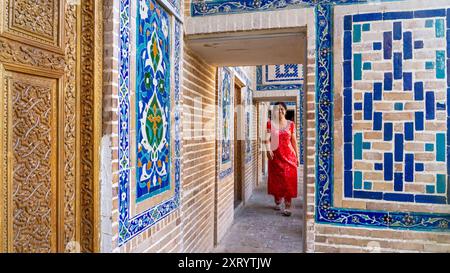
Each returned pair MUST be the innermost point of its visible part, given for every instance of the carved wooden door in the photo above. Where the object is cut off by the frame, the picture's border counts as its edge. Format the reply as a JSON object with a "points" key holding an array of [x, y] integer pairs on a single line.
{"points": [[41, 127]]}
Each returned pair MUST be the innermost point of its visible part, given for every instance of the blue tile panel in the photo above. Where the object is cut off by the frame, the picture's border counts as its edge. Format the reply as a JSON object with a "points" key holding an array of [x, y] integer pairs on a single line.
{"points": [[397, 31], [387, 45], [418, 91], [409, 167], [388, 81], [400, 165], [409, 131], [378, 121], [377, 46], [368, 103], [398, 148], [407, 45], [418, 44], [129, 227], [429, 105], [398, 66], [407, 81], [388, 166], [277, 77], [326, 213], [419, 167], [377, 91]]}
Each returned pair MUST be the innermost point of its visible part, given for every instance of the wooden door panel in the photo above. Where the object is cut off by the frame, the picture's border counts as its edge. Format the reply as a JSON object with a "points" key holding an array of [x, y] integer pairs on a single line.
{"points": [[31, 173], [38, 126], [39, 23], [50, 75]]}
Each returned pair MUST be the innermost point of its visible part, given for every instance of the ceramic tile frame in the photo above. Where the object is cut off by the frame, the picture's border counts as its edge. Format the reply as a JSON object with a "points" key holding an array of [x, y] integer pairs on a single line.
{"points": [[326, 213], [131, 227]]}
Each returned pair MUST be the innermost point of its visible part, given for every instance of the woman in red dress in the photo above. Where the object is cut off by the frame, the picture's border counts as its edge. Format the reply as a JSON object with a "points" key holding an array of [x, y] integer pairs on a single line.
{"points": [[283, 159]]}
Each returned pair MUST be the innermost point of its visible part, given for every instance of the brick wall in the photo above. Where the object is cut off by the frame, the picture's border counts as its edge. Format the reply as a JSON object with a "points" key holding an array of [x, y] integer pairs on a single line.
{"points": [[189, 228], [310, 134], [192, 227], [199, 155]]}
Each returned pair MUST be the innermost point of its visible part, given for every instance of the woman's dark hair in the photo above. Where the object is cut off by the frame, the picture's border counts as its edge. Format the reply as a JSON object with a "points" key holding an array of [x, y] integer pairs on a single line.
{"points": [[282, 104]]}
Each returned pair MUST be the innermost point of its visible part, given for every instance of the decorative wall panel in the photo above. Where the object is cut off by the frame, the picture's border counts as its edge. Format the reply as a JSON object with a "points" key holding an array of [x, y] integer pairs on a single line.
{"points": [[153, 101], [215, 7], [279, 77], [156, 75], [33, 177], [326, 212], [41, 55], [395, 132], [34, 22], [226, 121]]}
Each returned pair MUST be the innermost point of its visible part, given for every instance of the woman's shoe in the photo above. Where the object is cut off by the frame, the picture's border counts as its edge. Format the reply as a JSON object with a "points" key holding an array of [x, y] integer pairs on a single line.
{"points": [[277, 207], [287, 212]]}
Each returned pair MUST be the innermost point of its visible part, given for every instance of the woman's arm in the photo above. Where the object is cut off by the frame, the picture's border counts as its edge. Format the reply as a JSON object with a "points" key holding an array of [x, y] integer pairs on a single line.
{"points": [[267, 142], [294, 141]]}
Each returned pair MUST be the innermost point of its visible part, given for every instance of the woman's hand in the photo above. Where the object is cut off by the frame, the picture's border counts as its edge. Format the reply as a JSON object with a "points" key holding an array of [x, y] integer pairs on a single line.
{"points": [[270, 155]]}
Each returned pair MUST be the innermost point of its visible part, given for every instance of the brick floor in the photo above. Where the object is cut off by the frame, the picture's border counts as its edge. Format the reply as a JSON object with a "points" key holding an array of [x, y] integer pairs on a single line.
{"points": [[258, 228]]}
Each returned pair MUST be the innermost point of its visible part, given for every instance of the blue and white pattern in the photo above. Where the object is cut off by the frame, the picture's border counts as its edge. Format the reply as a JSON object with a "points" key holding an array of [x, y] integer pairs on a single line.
{"points": [[325, 211], [279, 77], [225, 128], [403, 107], [216, 7], [131, 227], [175, 6], [227, 117], [153, 76], [301, 111]]}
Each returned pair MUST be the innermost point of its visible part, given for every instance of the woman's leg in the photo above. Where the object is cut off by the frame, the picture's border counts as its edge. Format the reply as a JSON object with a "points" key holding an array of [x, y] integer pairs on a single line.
{"points": [[278, 201], [287, 206]]}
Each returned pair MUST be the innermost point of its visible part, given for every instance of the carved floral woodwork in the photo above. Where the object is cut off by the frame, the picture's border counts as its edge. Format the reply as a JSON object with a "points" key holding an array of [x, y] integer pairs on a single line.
{"points": [[48, 182]]}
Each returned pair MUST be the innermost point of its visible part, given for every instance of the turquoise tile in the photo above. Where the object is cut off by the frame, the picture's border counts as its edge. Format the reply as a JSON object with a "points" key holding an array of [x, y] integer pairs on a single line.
{"points": [[367, 185], [398, 106], [440, 64], [440, 184], [430, 188], [367, 66], [440, 29], [366, 27], [429, 147], [357, 33], [358, 139], [357, 180], [357, 67], [440, 147], [429, 23], [366, 145], [429, 65]]}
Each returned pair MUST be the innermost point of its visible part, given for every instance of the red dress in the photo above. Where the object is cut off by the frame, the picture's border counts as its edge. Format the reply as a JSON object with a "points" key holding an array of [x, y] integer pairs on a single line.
{"points": [[282, 177]]}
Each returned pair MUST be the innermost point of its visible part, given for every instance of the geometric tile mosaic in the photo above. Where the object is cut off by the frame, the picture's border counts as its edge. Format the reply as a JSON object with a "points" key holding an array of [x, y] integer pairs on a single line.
{"points": [[279, 77], [404, 112], [326, 212]]}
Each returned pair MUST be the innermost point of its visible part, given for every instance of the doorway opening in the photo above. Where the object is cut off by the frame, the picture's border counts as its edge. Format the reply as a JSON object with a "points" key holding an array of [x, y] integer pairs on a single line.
{"points": [[238, 148], [232, 50]]}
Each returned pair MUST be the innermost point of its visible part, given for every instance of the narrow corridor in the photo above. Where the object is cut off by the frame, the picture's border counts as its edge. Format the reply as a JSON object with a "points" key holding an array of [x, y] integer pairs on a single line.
{"points": [[258, 228]]}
